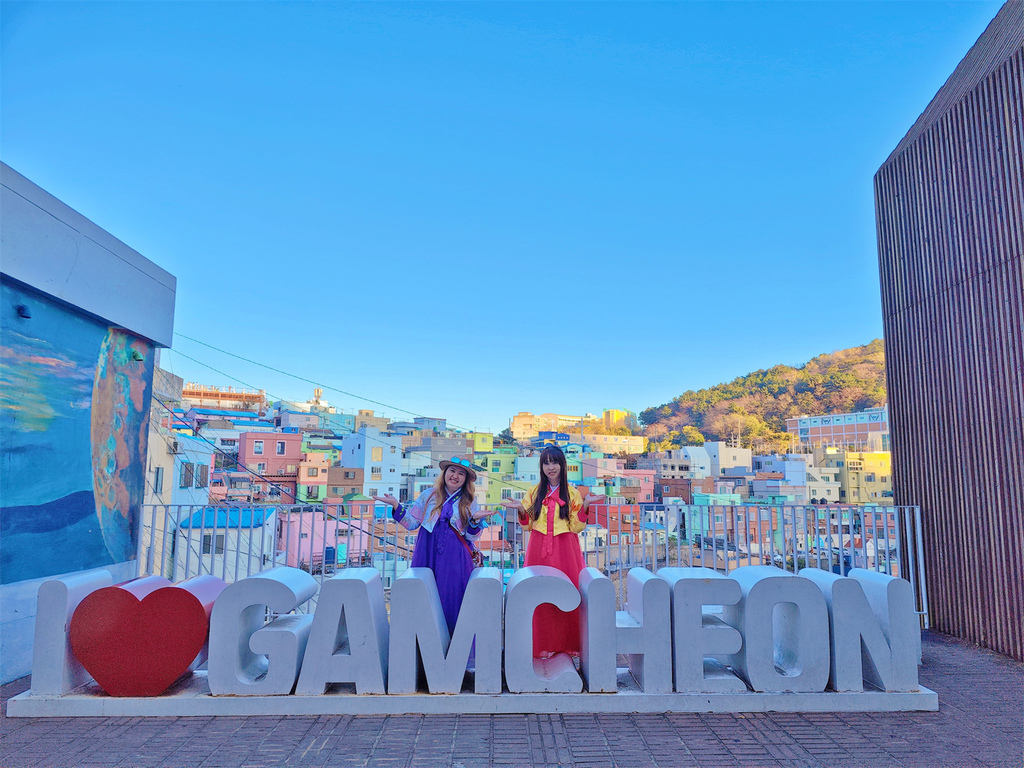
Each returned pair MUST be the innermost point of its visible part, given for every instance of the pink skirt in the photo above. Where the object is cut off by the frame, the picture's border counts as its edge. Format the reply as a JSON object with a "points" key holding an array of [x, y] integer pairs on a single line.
{"points": [[556, 631]]}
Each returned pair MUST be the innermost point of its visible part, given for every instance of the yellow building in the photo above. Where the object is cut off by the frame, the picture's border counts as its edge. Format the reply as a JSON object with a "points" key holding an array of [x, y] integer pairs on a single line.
{"points": [[483, 442], [865, 477], [618, 417], [502, 488], [499, 467]]}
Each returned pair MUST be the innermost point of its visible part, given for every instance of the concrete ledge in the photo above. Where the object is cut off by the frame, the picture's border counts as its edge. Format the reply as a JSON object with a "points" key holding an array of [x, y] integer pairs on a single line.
{"points": [[191, 698]]}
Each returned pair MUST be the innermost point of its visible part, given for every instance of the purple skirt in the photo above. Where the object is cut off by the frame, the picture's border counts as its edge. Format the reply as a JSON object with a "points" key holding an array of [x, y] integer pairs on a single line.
{"points": [[443, 551]]}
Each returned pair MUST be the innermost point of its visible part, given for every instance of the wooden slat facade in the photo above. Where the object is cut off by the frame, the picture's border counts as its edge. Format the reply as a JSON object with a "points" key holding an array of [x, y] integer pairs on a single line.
{"points": [[949, 204]]}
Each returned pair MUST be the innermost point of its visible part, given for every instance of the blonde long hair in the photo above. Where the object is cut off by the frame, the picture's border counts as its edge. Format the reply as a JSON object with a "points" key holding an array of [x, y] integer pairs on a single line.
{"points": [[465, 500]]}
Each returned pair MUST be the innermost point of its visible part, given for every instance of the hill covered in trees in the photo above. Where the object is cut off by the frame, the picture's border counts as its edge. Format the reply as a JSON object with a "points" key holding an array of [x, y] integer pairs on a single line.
{"points": [[754, 407]]}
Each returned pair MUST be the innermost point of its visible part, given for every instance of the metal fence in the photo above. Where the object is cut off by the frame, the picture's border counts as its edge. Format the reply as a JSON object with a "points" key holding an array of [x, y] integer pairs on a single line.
{"points": [[233, 542]]}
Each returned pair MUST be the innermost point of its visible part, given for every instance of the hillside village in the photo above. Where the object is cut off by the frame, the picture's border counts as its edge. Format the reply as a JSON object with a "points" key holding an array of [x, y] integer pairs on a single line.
{"points": [[237, 463]]}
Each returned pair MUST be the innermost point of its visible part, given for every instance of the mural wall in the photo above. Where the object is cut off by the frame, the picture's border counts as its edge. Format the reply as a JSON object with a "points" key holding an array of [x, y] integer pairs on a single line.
{"points": [[74, 414]]}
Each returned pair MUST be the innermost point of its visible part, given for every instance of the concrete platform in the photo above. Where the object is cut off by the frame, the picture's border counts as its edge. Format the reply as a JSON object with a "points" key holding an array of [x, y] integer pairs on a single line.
{"points": [[191, 698], [978, 724]]}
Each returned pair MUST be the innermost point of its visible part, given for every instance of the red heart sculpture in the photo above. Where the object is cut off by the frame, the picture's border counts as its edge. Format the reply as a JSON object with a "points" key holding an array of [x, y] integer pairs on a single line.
{"points": [[135, 647]]}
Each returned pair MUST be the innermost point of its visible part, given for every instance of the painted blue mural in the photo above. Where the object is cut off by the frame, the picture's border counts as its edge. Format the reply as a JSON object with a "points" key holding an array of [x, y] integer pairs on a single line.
{"points": [[74, 415]]}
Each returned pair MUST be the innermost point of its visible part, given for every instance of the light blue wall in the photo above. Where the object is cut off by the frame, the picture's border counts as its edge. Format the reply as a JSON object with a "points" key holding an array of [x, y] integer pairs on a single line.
{"points": [[357, 452]]}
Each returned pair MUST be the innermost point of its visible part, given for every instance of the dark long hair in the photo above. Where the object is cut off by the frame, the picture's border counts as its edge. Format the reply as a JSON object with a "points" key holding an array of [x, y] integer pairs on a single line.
{"points": [[552, 454]]}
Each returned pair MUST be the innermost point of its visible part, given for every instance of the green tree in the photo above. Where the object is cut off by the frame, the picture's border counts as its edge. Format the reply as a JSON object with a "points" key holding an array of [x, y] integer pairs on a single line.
{"points": [[692, 435]]}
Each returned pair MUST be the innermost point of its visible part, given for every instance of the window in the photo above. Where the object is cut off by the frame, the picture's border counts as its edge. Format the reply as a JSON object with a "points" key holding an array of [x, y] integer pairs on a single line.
{"points": [[392, 449], [613, 539], [375, 473], [209, 544], [372, 492], [313, 492], [312, 471], [186, 476], [519, 495], [202, 476], [261, 466], [506, 493], [280, 447], [257, 447], [349, 475], [228, 443], [158, 480], [377, 454], [496, 468], [303, 535]]}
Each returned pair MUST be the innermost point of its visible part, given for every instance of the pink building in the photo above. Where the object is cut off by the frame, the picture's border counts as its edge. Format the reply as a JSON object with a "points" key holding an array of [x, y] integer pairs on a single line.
{"points": [[312, 479], [334, 536], [275, 456], [645, 495]]}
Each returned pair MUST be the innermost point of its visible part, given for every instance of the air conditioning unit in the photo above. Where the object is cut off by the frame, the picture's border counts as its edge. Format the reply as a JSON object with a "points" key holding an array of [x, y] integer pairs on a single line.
{"points": [[172, 447]]}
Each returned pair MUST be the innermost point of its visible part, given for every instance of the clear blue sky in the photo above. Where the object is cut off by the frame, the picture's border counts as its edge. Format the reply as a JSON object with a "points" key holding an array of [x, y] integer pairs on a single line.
{"points": [[474, 209]]}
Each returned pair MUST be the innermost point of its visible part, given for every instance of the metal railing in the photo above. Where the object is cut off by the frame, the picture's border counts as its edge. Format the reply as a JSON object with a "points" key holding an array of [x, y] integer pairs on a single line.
{"points": [[233, 542]]}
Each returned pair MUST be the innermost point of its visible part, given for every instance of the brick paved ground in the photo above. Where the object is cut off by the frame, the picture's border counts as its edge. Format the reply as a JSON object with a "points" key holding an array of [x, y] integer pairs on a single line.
{"points": [[980, 722]]}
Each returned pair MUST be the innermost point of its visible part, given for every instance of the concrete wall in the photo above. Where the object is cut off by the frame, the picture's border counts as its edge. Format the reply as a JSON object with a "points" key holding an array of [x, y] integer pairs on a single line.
{"points": [[81, 315]]}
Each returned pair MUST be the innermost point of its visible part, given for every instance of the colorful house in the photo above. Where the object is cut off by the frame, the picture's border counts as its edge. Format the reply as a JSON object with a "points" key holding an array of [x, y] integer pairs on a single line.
{"points": [[312, 481], [227, 542], [273, 459], [379, 455]]}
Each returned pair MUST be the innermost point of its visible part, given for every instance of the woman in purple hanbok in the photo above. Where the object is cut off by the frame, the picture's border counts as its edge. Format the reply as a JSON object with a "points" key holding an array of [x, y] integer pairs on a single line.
{"points": [[449, 523]]}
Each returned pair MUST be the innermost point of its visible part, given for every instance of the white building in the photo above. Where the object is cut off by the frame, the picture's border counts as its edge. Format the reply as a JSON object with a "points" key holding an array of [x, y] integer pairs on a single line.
{"points": [[724, 456], [227, 542]]}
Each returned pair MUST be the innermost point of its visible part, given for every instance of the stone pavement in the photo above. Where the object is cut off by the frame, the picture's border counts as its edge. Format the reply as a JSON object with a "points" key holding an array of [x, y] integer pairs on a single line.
{"points": [[980, 722]]}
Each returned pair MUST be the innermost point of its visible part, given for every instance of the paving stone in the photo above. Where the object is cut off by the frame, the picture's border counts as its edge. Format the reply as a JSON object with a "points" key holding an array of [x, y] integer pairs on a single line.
{"points": [[979, 723]]}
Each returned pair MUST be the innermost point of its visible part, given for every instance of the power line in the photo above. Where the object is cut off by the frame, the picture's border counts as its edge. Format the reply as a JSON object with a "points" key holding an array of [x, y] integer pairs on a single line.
{"points": [[303, 378], [501, 482]]}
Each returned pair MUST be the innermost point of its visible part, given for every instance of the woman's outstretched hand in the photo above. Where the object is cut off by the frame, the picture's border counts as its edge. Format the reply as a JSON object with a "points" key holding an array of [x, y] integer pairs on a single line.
{"points": [[594, 498], [513, 504], [481, 514], [391, 500]]}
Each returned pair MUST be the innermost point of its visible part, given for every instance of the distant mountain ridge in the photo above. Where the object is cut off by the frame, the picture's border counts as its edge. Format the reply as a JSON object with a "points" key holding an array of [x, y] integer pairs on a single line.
{"points": [[754, 407]]}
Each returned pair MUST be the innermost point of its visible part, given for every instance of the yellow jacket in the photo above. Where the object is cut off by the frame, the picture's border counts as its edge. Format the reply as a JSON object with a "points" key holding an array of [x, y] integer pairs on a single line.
{"points": [[572, 525]]}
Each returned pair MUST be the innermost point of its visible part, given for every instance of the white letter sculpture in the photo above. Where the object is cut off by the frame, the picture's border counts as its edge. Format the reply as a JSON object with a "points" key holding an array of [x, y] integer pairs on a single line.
{"points": [[697, 635], [248, 658], [870, 640], [418, 623], [349, 640], [643, 631], [55, 670], [528, 588], [784, 622]]}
